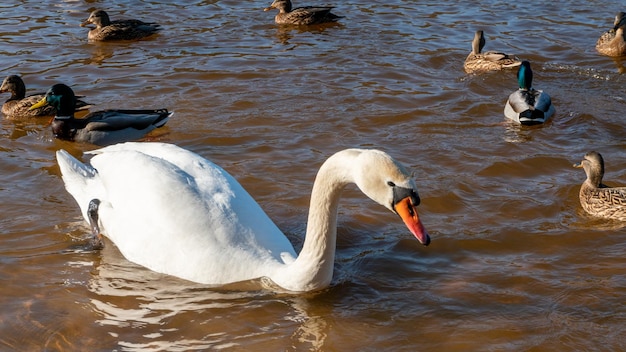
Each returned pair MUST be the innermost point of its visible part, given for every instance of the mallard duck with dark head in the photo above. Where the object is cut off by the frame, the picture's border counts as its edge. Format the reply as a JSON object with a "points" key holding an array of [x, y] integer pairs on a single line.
{"points": [[477, 61], [18, 105], [527, 105], [613, 42], [301, 15], [106, 29], [100, 127], [596, 198]]}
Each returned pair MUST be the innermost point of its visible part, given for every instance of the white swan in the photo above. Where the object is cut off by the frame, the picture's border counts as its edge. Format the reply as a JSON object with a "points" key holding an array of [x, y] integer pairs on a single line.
{"points": [[177, 213]]}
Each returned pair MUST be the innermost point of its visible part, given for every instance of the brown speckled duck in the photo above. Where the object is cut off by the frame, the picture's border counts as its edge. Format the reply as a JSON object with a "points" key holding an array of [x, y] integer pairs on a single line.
{"points": [[18, 105], [596, 198], [99, 127], [117, 30], [477, 61], [613, 42], [302, 15]]}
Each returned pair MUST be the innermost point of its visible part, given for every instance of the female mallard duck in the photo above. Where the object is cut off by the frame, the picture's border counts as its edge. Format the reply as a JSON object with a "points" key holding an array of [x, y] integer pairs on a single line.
{"points": [[18, 105], [527, 105], [301, 15], [613, 42], [119, 29], [177, 213], [477, 61], [597, 198], [100, 127]]}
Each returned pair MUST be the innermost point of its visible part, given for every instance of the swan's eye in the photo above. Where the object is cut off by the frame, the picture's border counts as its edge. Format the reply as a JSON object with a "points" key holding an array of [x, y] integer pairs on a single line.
{"points": [[391, 184]]}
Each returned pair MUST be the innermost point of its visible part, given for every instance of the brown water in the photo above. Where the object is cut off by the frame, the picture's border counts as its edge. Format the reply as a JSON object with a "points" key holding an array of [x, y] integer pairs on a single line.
{"points": [[514, 263]]}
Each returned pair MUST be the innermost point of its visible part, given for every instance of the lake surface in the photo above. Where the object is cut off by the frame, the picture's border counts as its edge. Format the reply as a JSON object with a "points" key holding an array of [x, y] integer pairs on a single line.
{"points": [[514, 263]]}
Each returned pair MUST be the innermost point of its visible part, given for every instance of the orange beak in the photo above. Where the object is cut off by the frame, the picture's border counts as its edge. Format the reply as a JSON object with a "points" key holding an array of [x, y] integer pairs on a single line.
{"points": [[408, 213]]}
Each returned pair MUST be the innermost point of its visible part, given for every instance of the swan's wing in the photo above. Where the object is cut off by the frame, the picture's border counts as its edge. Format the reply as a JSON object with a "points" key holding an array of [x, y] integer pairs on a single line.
{"points": [[177, 213]]}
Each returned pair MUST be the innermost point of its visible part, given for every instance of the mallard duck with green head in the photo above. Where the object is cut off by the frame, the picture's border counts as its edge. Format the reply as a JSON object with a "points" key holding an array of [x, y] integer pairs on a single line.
{"points": [[477, 61], [106, 29], [18, 105], [100, 127], [596, 198], [613, 42], [527, 105], [301, 15]]}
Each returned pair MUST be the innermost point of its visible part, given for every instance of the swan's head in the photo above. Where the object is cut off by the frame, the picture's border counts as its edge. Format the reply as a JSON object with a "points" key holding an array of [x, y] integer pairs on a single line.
{"points": [[387, 182]]}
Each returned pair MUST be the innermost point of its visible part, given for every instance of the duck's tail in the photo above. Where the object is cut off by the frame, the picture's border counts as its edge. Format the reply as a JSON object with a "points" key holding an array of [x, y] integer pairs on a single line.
{"points": [[165, 116]]}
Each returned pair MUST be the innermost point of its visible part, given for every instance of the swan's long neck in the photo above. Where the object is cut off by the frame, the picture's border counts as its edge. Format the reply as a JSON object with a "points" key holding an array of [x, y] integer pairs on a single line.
{"points": [[313, 269]]}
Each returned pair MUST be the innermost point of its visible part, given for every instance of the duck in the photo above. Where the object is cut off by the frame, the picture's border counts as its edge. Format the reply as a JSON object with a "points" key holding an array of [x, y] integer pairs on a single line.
{"points": [[98, 127], [527, 105], [129, 29], [174, 212], [302, 15], [18, 105], [596, 198], [613, 42], [477, 61]]}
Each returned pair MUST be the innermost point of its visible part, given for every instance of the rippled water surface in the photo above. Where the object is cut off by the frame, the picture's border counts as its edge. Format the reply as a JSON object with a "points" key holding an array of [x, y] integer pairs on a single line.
{"points": [[514, 263]]}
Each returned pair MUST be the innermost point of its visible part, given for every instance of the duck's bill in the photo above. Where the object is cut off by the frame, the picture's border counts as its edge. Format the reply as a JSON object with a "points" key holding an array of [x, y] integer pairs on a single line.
{"points": [[39, 104], [409, 215], [579, 165], [268, 8], [85, 24]]}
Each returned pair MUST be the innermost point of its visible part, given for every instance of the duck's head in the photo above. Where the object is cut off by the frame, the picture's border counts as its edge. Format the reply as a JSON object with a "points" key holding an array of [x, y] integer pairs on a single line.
{"points": [[593, 164], [620, 30], [620, 19], [525, 76], [387, 182], [478, 43], [99, 18], [61, 97], [281, 5], [14, 85]]}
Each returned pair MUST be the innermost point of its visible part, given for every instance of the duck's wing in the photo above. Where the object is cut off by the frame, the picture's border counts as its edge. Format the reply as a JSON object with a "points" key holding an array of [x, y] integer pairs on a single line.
{"points": [[605, 202], [311, 15], [520, 101], [116, 120], [21, 108], [543, 101], [505, 60], [127, 29]]}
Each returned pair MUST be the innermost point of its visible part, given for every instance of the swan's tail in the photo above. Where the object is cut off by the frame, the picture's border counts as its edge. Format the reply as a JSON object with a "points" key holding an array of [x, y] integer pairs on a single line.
{"points": [[81, 180]]}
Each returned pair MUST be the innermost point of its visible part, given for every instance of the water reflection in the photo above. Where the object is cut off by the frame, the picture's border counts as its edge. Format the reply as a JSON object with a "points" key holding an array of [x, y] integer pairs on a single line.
{"points": [[126, 295], [100, 52], [284, 33]]}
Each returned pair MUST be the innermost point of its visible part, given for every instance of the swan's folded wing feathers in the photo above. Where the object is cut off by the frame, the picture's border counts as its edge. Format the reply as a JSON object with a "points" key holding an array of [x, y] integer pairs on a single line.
{"points": [[195, 196]]}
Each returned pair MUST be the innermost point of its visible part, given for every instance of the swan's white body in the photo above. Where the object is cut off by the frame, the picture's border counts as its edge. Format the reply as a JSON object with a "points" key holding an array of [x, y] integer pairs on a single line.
{"points": [[177, 213]]}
